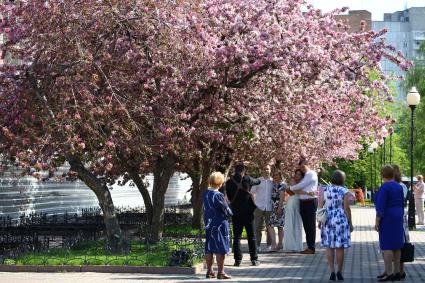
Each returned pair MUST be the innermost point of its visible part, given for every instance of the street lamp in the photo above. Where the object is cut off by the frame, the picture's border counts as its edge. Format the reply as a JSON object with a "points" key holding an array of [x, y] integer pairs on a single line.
{"points": [[374, 146], [384, 132], [370, 150], [391, 131], [381, 142], [413, 99]]}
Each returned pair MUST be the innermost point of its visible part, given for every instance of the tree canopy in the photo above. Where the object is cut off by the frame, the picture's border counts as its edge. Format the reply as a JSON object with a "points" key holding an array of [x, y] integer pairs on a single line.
{"points": [[130, 87]]}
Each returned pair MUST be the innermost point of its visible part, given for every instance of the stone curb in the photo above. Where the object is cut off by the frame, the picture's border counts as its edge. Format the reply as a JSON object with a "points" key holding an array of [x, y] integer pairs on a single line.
{"points": [[103, 269]]}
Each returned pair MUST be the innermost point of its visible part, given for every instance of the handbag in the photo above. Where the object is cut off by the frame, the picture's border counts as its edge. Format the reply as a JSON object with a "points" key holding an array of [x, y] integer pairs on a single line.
{"points": [[407, 251], [322, 213]]}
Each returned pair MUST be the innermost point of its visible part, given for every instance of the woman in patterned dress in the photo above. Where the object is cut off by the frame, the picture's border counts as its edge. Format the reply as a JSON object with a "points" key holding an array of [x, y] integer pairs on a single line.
{"points": [[335, 233], [217, 235], [277, 217]]}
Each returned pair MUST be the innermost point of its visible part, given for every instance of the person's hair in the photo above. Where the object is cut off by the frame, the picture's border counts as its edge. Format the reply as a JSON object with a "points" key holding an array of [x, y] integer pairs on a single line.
{"points": [[216, 179], [388, 172], [338, 178], [397, 173], [303, 162], [299, 171], [420, 177], [239, 168]]}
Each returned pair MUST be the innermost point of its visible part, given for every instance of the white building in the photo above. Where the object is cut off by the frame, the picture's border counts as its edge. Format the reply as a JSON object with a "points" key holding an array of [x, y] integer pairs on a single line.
{"points": [[406, 31]]}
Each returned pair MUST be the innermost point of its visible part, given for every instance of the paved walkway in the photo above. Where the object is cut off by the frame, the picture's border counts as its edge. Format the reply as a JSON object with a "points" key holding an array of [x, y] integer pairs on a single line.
{"points": [[363, 263]]}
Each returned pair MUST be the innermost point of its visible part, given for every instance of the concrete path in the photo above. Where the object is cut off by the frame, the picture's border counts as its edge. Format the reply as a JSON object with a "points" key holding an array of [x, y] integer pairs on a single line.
{"points": [[363, 263]]}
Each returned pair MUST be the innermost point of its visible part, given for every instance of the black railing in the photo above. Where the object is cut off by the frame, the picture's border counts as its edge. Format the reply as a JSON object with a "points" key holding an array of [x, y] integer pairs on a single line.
{"points": [[93, 216], [40, 232]]}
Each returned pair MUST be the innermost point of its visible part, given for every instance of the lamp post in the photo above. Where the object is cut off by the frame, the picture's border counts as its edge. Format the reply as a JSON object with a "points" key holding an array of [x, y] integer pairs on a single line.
{"points": [[384, 132], [391, 131], [370, 150], [381, 142], [413, 99], [374, 146]]}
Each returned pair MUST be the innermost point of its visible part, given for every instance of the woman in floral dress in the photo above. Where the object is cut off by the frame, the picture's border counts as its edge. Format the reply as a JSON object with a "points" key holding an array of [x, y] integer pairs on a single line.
{"points": [[335, 233], [277, 217]]}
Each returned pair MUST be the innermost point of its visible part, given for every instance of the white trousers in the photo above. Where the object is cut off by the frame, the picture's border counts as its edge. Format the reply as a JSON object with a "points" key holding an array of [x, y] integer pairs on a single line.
{"points": [[419, 205]]}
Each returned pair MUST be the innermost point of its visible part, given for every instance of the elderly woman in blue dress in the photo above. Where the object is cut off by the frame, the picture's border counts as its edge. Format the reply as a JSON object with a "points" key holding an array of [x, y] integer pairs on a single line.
{"points": [[335, 232], [389, 223], [217, 234]]}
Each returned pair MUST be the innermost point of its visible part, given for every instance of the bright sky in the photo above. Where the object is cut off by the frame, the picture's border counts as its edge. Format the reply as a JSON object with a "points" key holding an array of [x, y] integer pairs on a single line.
{"points": [[376, 7]]}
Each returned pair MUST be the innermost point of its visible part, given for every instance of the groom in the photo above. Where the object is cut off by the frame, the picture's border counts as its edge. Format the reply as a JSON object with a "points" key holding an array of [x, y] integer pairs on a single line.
{"points": [[308, 204]]}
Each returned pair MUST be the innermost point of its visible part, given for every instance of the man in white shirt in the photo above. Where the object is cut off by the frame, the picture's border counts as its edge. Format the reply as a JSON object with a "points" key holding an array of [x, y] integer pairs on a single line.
{"points": [[263, 201], [308, 204], [418, 191]]}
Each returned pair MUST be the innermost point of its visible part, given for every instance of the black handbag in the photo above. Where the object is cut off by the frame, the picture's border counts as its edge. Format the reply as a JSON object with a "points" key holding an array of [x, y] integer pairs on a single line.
{"points": [[407, 251]]}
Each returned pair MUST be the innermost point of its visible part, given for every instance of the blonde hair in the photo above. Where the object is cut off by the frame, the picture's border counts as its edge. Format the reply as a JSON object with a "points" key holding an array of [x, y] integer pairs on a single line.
{"points": [[216, 179], [420, 177]]}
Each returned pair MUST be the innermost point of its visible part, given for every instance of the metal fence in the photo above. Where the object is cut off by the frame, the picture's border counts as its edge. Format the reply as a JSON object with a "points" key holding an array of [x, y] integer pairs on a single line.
{"points": [[38, 236]]}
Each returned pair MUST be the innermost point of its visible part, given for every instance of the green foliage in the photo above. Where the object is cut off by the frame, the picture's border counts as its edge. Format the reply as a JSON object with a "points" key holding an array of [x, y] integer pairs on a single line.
{"points": [[359, 171], [356, 171], [10, 261]]}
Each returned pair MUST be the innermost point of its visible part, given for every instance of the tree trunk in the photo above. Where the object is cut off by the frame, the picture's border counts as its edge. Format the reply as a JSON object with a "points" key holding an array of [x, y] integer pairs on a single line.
{"points": [[145, 194], [113, 231], [164, 170], [206, 167], [228, 168]]}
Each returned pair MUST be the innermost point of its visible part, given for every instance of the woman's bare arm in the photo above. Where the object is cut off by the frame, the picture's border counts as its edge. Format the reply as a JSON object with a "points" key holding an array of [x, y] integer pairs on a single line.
{"points": [[347, 210]]}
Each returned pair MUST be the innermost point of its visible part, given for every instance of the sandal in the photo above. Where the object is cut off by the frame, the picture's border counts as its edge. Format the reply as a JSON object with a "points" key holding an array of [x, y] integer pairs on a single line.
{"points": [[223, 276], [210, 274]]}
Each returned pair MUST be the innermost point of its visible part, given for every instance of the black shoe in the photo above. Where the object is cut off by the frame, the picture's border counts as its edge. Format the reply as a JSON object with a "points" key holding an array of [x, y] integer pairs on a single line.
{"points": [[397, 277], [332, 277], [339, 276], [381, 276], [255, 263], [237, 263], [386, 278], [403, 276]]}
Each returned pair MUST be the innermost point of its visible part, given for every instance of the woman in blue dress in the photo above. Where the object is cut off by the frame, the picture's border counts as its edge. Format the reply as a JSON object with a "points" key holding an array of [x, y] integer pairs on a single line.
{"points": [[389, 223], [217, 234], [335, 232]]}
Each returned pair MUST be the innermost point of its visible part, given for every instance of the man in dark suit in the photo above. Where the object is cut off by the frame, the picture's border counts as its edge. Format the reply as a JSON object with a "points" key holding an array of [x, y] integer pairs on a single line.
{"points": [[238, 189]]}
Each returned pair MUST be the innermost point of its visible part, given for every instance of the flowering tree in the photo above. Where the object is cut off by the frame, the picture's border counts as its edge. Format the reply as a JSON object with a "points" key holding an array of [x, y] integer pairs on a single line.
{"points": [[130, 87], [288, 83]]}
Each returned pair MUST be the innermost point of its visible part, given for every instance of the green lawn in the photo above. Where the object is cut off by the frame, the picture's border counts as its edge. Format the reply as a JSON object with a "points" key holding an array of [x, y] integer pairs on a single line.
{"points": [[92, 253], [183, 230]]}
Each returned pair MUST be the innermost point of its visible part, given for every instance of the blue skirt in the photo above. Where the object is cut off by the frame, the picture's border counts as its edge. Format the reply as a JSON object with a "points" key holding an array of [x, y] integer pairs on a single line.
{"points": [[217, 238]]}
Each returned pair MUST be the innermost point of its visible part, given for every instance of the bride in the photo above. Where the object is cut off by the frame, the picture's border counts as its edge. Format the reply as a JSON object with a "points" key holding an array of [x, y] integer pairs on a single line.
{"points": [[293, 240]]}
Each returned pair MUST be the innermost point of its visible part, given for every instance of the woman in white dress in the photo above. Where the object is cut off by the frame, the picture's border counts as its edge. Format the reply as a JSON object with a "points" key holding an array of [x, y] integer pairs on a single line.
{"points": [[293, 240]]}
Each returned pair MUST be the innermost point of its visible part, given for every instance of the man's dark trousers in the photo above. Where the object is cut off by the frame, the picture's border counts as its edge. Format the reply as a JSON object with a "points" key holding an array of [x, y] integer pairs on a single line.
{"points": [[238, 224], [308, 209]]}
